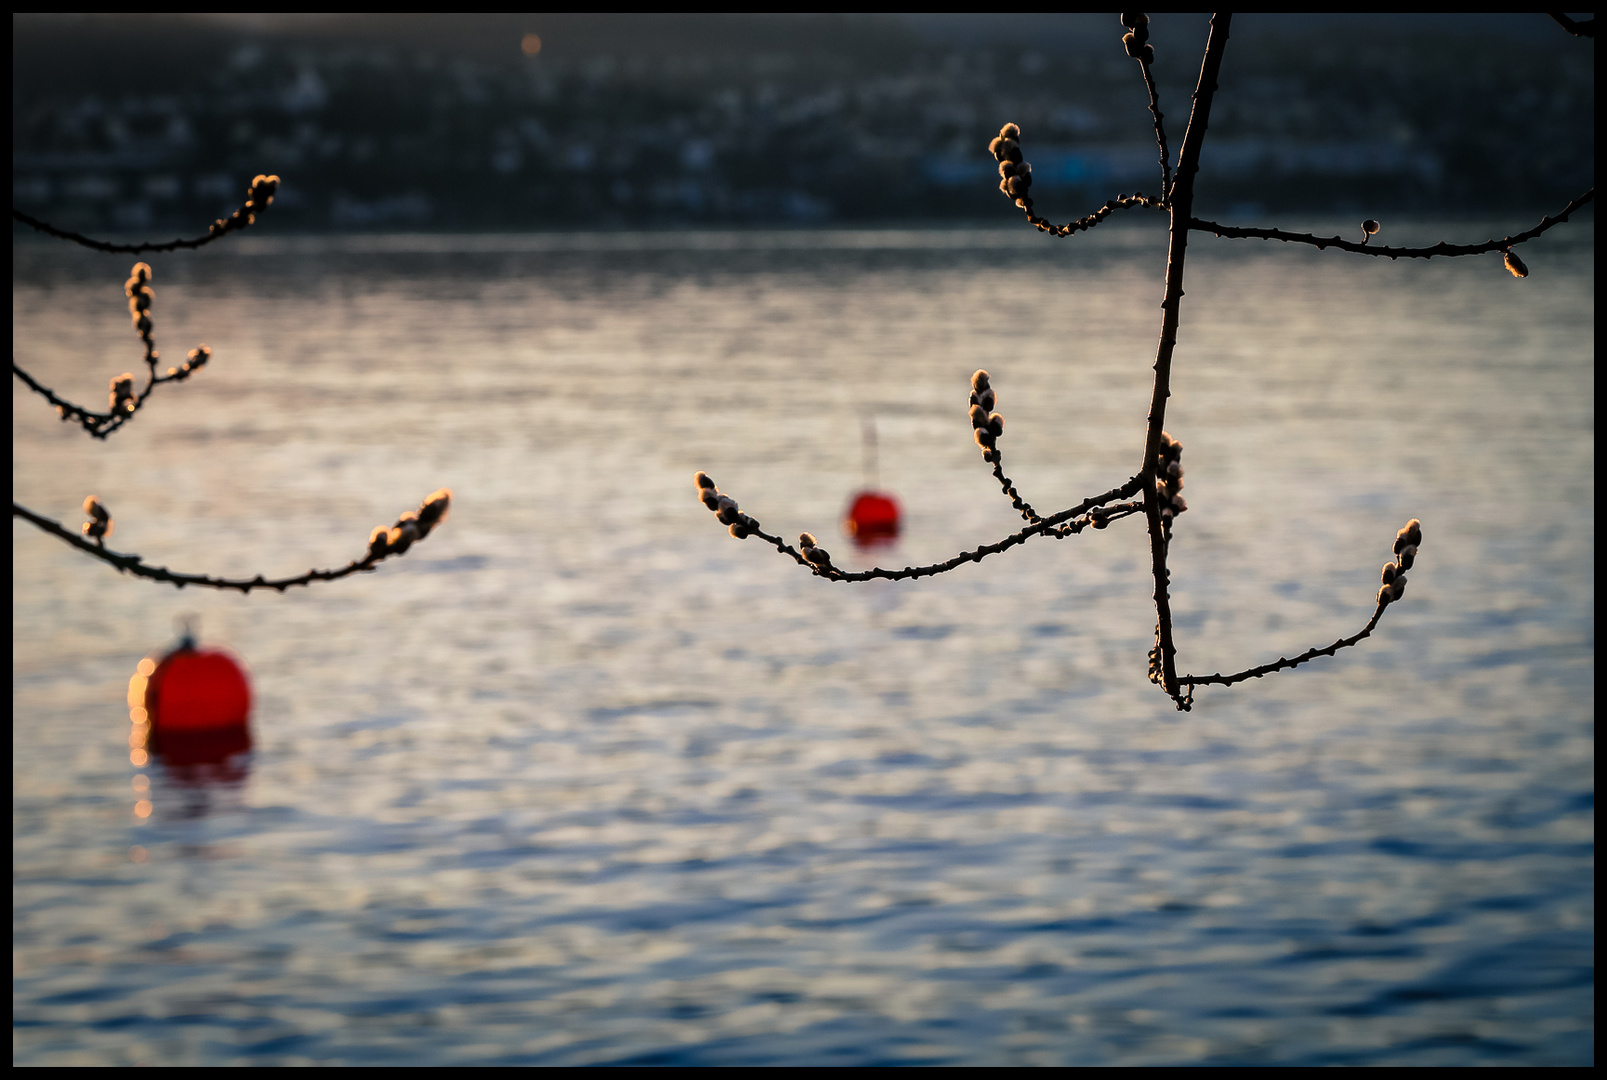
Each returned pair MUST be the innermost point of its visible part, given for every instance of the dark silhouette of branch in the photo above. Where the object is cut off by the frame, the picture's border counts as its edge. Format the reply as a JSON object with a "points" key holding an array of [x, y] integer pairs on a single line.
{"points": [[1160, 479], [409, 529], [1577, 29], [987, 427], [1407, 542], [258, 198], [1439, 250], [1092, 511], [1136, 42], [123, 401]]}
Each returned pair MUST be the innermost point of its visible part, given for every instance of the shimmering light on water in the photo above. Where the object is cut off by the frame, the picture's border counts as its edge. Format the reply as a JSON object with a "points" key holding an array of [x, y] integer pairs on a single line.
{"points": [[582, 779]]}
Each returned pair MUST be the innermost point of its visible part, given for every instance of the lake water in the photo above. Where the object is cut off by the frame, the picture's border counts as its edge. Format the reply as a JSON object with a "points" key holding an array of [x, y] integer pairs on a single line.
{"points": [[583, 780]]}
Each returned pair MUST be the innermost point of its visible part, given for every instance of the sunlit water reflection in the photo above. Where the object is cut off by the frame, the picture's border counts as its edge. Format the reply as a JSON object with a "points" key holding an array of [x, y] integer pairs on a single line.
{"points": [[584, 780]]}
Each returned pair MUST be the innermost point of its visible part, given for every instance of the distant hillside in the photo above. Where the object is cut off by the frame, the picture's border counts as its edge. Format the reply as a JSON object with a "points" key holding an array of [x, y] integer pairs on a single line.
{"points": [[462, 122]]}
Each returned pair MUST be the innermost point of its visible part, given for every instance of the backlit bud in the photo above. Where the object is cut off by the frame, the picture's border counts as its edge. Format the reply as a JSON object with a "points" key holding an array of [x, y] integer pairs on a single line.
{"points": [[984, 438], [1408, 556], [704, 482], [401, 537], [1384, 595], [979, 381], [378, 542], [1389, 572], [199, 356], [996, 425], [1515, 265], [740, 530], [806, 540], [987, 399], [1370, 227], [979, 416], [711, 499], [1397, 587], [1010, 131], [1414, 532]]}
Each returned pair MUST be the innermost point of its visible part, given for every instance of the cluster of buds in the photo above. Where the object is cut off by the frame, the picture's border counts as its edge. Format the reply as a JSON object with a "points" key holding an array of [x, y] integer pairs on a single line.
{"points": [[1515, 265], [99, 526], [1369, 229], [1015, 175], [198, 358], [988, 424], [1169, 480], [725, 508], [140, 298], [258, 198], [1394, 575], [410, 528], [1136, 40], [121, 396], [813, 554]]}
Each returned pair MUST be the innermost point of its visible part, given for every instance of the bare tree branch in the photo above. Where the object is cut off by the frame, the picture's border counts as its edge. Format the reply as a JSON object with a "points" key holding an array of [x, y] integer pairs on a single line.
{"points": [[1407, 542], [1138, 47], [1093, 511], [1439, 250], [1180, 205], [1160, 479], [258, 198], [1577, 29], [410, 528], [124, 402]]}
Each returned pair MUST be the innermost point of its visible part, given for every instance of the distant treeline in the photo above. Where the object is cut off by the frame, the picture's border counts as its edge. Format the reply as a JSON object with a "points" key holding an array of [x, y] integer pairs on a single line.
{"points": [[135, 123]]}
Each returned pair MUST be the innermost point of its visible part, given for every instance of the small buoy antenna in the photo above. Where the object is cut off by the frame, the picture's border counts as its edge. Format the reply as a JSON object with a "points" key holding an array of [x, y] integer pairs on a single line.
{"points": [[868, 455]]}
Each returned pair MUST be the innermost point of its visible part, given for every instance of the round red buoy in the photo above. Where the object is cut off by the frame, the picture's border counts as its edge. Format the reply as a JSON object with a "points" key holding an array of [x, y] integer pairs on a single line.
{"points": [[872, 518], [197, 705]]}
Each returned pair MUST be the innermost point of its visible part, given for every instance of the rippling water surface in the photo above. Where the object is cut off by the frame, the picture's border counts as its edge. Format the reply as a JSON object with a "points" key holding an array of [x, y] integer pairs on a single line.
{"points": [[584, 780]]}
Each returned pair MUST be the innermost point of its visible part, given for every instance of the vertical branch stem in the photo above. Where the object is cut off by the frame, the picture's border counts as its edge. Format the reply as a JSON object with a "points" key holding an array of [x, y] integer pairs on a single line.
{"points": [[1181, 207]]}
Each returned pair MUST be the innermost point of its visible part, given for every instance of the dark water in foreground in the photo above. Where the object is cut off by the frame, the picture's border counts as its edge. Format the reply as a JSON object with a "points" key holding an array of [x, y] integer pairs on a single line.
{"points": [[584, 780]]}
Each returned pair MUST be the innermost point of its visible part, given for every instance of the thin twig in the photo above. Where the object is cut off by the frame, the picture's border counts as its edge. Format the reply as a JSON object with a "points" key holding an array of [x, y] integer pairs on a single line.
{"points": [[125, 403], [1440, 250], [1092, 511], [1022, 505], [1282, 663], [258, 197], [1160, 130], [382, 543]]}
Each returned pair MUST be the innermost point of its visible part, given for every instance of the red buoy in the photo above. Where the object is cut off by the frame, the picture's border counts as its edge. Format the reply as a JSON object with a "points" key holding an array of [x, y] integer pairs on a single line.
{"points": [[872, 519], [196, 705]]}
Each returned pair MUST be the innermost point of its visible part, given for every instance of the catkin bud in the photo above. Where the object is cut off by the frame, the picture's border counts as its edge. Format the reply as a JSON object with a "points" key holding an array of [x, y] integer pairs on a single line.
{"points": [[401, 537], [704, 483], [740, 530], [979, 381], [979, 416], [1389, 572], [1414, 532], [1384, 595], [806, 540], [1408, 556], [984, 438], [378, 542], [711, 499], [1010, 131], [995, 425], [987, 399], [1397, 587], [1370, 227], [198, 357], [1515, 265]]}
